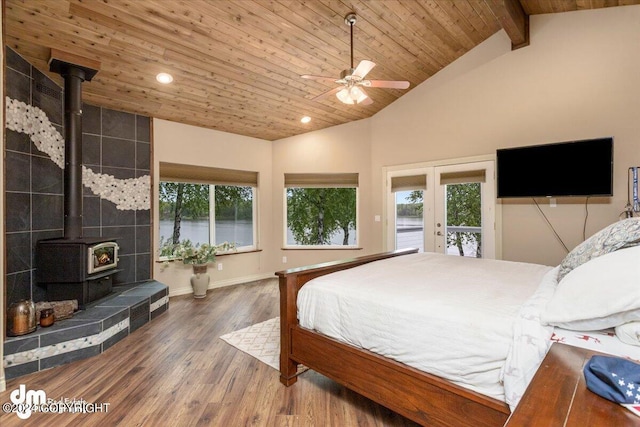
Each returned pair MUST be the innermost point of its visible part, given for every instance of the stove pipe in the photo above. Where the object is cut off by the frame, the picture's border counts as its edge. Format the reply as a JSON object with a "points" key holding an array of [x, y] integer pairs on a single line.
{"points": [[73, 79], [74, 75]]}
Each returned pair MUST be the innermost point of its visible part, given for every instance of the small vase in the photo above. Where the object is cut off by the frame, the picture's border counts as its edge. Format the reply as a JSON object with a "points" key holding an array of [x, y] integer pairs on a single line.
{"points": [[200, 280]]}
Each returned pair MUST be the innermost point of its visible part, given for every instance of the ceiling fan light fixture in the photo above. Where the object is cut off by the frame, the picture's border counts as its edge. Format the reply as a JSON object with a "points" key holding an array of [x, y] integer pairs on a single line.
{"points": [[351, 95], [343, 96]]}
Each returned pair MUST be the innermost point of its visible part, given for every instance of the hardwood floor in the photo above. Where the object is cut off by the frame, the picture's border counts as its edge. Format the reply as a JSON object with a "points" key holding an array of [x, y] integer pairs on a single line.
{"points": [[175, 371]]}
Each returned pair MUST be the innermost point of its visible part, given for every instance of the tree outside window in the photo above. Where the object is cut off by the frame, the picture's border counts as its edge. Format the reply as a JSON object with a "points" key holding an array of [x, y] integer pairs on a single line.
{"points": [[180, 201], [321, 216], [464, 208]]}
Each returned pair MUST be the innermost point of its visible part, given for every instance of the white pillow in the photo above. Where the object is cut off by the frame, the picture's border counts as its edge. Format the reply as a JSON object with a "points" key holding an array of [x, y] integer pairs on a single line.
{"points": [[629, 333], [620, 234], [600, 323], [599, 294]]}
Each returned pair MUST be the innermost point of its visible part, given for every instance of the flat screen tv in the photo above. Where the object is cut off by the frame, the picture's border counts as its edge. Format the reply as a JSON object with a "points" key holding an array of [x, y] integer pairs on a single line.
{"points": [[572, 168]]}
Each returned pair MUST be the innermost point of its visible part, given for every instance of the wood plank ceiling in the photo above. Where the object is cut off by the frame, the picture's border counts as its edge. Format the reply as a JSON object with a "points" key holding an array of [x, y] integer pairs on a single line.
{"points": [[237, 63]]}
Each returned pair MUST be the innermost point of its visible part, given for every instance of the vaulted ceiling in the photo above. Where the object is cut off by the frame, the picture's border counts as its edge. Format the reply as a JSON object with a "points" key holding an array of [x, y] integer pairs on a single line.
{"points": [[237, 63]]}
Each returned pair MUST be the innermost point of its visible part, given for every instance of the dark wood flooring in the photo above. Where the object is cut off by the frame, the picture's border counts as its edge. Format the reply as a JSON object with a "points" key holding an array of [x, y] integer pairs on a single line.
{"points": [[176, 371]]}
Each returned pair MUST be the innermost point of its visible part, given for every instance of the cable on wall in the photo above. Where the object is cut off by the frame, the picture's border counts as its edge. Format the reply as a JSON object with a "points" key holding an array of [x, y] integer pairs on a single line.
{"points": [[586, 216], [550, 225]]}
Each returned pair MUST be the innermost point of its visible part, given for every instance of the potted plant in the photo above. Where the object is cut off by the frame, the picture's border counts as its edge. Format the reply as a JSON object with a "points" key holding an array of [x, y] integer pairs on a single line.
{"points": [[199, 256]]}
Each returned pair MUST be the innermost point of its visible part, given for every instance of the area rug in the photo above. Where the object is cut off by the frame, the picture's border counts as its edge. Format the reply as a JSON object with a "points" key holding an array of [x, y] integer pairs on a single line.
{"points": [[261, 341]]}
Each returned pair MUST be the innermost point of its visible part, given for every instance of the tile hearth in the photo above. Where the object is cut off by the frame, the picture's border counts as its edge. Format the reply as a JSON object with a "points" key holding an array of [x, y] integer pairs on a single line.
{"points": [[89, 332]]}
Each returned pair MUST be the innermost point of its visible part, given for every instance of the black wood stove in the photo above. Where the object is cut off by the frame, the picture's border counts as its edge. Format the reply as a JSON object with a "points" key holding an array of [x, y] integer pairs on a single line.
{"points": [[81, 268]]}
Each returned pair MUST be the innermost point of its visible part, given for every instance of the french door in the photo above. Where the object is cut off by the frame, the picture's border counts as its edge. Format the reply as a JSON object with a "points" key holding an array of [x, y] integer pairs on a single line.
{"points": [[447, 208]]}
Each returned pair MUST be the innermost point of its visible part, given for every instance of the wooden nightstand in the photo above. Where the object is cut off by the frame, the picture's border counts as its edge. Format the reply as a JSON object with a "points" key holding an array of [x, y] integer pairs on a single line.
{"points": [[558, 396]]}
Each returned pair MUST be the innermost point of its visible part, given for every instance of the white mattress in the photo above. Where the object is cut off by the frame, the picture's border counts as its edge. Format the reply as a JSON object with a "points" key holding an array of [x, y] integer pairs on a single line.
{"points": [[446, 315]]}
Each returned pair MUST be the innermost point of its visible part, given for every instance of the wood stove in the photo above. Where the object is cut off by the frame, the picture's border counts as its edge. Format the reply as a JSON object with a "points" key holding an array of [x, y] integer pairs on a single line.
{"points": [[81, 268]]}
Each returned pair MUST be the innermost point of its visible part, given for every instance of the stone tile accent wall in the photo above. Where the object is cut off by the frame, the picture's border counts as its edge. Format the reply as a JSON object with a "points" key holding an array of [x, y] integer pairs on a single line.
{"points": [[114, 143]]}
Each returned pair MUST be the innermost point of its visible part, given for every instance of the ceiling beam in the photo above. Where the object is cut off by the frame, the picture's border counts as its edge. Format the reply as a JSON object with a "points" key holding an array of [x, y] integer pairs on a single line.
{"points": [[514, 21]]}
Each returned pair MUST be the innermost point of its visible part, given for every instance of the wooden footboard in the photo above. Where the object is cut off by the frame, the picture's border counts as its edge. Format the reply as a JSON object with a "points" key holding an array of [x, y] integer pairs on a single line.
{"points": [[422, 397]]}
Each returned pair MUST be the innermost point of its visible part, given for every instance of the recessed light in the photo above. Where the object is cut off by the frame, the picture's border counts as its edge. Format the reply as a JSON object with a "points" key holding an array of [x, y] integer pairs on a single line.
{"points": [[305, 119], [164, 78]]}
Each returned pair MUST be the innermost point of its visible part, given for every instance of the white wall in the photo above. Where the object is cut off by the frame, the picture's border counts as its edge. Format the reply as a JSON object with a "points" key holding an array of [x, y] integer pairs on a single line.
{"points": [[578, 79], [179, 143]]}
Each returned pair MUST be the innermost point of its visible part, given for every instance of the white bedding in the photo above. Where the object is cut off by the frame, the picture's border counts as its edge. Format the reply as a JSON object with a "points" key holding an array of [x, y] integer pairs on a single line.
{"points": [[459, 317]]}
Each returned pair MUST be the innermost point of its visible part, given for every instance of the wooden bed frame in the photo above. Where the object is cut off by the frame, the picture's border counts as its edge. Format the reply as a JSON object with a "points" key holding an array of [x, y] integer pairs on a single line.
{"points": [[421, 397]]}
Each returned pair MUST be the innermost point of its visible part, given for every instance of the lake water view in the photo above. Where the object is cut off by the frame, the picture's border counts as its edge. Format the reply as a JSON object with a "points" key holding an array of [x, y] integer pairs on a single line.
{"points": [[409, 234], [240, 232]]}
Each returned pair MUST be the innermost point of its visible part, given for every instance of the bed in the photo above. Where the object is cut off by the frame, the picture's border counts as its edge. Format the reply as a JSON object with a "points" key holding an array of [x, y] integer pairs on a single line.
{"points": [[431, 394]]}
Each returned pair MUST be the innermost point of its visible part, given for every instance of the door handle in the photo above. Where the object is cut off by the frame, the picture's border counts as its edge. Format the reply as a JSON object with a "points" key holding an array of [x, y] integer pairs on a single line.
{"points": [[439, 233]]}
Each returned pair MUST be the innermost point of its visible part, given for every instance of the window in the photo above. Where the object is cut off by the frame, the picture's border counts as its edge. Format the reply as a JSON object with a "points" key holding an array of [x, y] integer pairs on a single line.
{"points": [[207, 205], [321, 210], [234, 215]]}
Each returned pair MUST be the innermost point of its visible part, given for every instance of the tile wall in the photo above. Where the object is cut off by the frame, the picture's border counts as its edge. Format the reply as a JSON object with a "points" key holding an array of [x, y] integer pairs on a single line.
{"points": [[114, 143]]}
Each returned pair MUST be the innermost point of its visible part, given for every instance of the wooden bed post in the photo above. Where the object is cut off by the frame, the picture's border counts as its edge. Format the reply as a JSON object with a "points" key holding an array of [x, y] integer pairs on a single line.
{"points": [[288, 317]]}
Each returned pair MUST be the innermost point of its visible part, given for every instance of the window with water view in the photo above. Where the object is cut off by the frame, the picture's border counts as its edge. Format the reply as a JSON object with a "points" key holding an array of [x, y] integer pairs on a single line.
{"points": [[204, 213]]}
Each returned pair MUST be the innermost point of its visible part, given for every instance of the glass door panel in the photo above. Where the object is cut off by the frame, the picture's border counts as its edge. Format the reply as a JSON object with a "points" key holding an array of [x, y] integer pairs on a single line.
{"points": [[463, 228], [409, 219], [465, 209]]}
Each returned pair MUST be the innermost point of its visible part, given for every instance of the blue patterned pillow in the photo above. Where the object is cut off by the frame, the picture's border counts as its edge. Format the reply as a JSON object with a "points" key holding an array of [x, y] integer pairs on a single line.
{"points": [[621, 234]]}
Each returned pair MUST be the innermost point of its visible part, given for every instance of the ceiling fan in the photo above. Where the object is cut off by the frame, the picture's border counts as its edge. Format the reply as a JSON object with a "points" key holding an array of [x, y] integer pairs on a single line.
{"points": [[353, 80]]}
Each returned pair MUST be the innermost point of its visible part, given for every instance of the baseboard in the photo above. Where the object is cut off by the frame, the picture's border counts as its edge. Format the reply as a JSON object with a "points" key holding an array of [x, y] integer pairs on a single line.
{"points": [[185, 290]]}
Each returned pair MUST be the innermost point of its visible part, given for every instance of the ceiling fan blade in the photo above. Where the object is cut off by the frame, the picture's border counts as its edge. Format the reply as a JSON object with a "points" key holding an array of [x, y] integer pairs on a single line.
{"points": [[391, 84], [367, 100], [327, 93], [319, 78], [363, 68]]}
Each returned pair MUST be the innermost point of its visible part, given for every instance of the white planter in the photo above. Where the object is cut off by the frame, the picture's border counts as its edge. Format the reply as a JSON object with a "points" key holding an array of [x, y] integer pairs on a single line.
{"points": [[200, 280]]}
